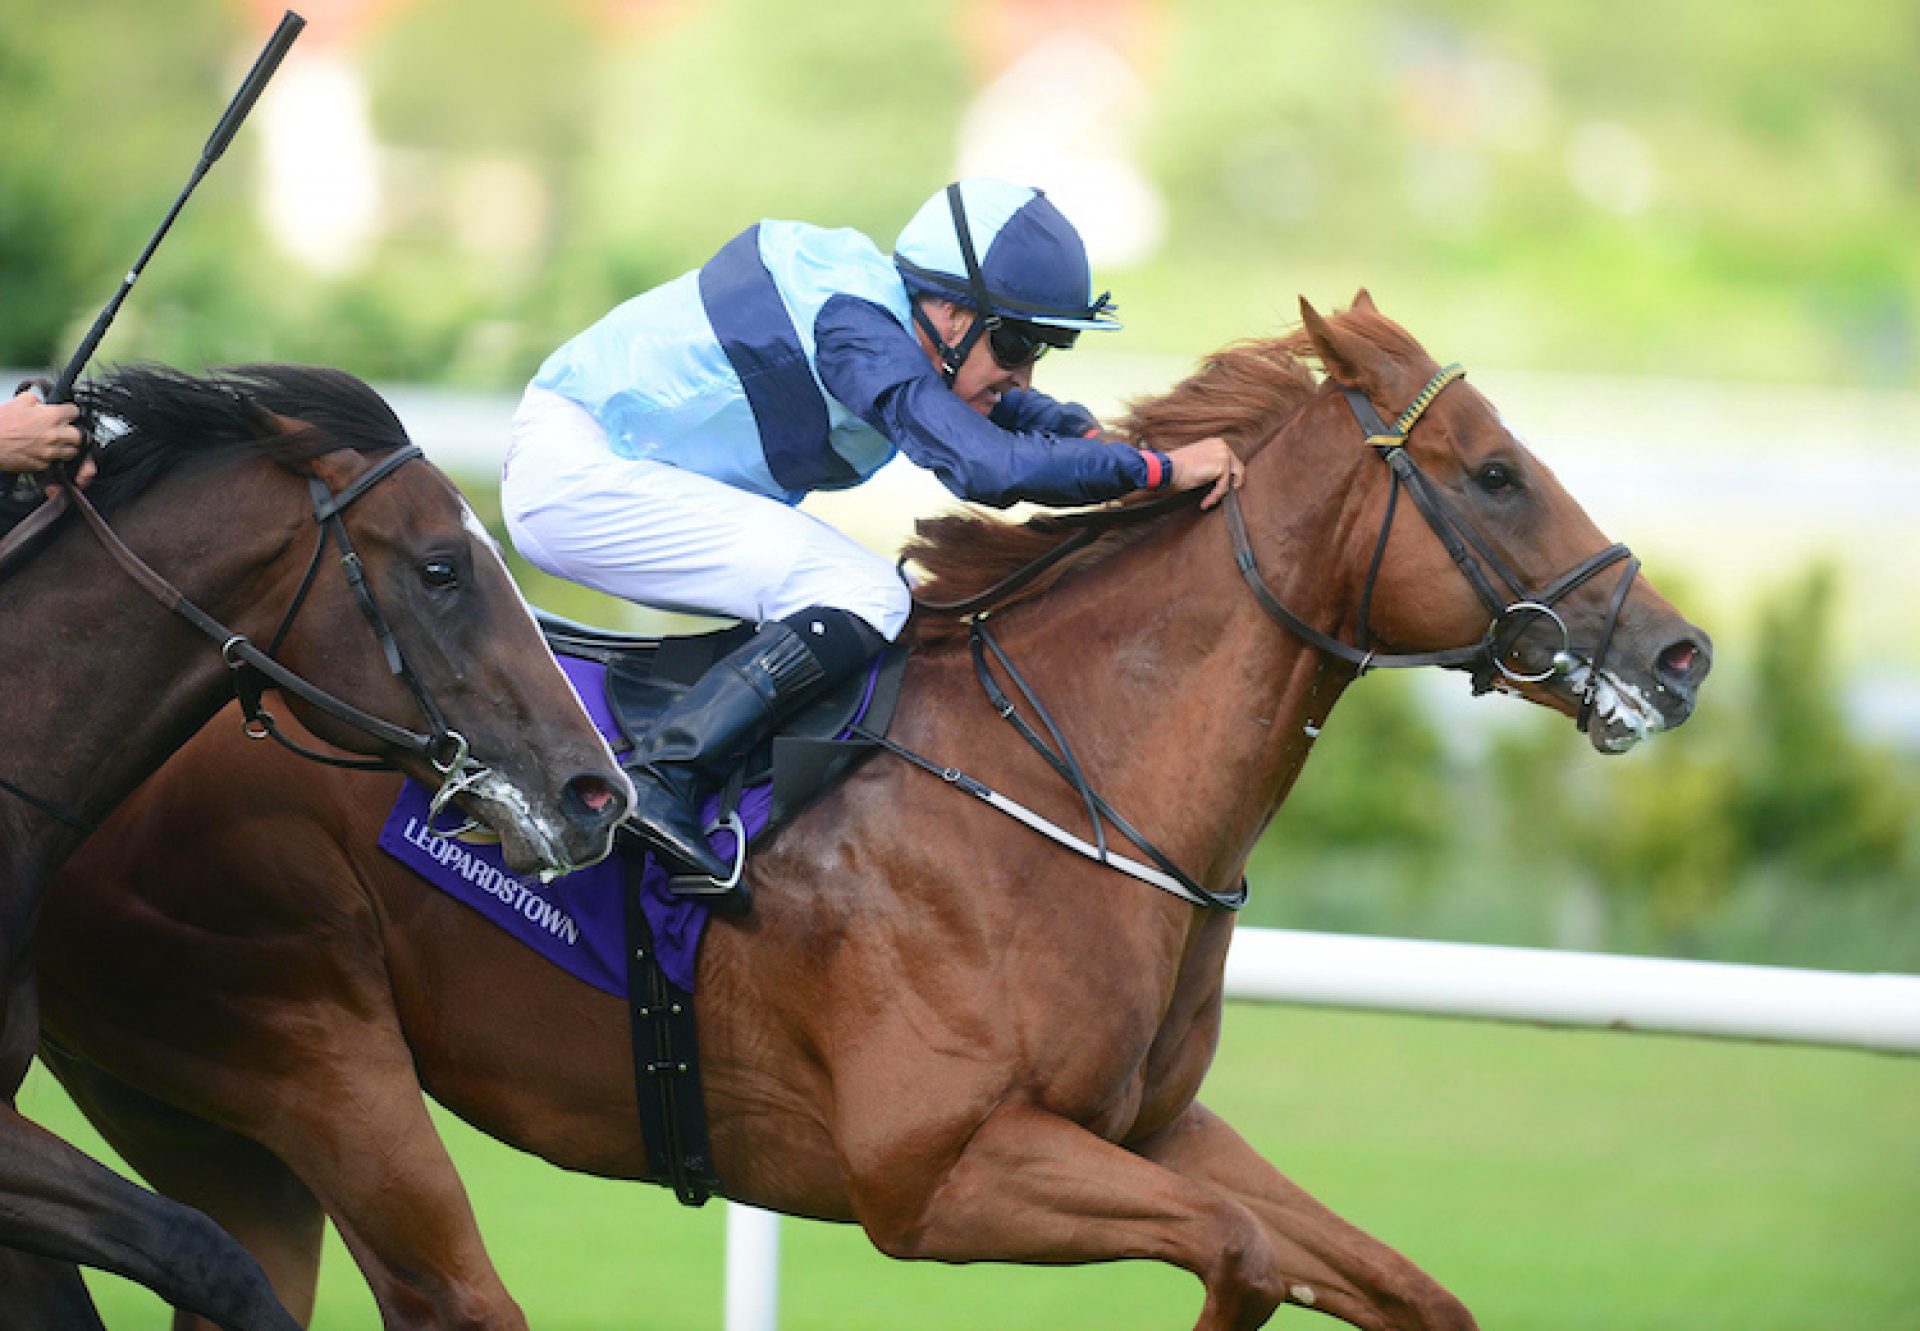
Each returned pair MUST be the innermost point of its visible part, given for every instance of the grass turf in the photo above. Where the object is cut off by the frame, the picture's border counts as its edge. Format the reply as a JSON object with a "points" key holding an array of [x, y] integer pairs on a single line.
{"points": [[1551, 1179]]}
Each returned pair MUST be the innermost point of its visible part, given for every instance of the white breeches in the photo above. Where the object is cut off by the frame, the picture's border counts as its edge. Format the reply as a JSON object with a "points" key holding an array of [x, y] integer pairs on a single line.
{"points": [[675, 540]]}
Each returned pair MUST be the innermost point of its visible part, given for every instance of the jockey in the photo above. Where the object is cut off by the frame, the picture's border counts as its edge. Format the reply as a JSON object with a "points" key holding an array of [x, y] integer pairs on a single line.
{"points": [[658, 455]]}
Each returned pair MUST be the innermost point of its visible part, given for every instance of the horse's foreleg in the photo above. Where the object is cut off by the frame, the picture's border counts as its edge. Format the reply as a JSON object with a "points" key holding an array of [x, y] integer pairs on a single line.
{"points": [[386, 1180], [1032, 1187], [1329, 1264], [57, 1203]]}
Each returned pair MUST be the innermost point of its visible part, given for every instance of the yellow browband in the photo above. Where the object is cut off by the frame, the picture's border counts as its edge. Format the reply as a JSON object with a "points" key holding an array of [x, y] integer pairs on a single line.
{"points": [[1397, 436]]}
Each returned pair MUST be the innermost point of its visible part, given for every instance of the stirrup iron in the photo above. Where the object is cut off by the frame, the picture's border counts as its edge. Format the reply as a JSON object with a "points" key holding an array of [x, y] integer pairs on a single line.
{"points": [[729, 894]]}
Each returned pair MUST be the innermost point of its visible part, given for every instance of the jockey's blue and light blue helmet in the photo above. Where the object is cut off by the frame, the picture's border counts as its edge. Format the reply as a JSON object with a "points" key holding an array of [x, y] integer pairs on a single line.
{"points": [[1006, 252]]}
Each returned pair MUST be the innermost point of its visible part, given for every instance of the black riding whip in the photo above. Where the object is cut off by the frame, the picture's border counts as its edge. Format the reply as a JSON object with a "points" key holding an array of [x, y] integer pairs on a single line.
{"points": [[263, 68], [27, 486]]}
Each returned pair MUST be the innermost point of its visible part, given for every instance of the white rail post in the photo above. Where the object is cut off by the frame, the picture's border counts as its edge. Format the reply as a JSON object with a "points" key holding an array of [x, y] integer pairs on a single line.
{"points": [[753, 1269]]}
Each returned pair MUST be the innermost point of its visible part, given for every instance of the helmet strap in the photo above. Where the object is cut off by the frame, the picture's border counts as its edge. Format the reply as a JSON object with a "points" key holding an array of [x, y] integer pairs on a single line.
{"points": [[951, 357], [976, 280], [984, 319]]}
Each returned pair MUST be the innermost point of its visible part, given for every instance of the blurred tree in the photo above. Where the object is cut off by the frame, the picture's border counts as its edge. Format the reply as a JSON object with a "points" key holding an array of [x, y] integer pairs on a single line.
{"points": [[1768, 777], [1380, 778], [1540, 183], [1737, 198], [1808, 790], [844, 120], [1655, 831], [103, 111]]}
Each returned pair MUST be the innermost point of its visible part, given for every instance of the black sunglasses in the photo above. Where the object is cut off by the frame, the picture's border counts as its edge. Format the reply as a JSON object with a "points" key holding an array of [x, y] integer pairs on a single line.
{"points": [[1016, 345]]}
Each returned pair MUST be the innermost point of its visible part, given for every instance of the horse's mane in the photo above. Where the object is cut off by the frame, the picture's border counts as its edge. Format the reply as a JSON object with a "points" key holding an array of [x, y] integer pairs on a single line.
{"points": [[151, 420], [1241, 393]]}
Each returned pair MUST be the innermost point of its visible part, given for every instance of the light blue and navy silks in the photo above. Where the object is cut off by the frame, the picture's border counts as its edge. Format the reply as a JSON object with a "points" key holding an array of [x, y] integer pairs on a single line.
{"points": [[786, 364]]}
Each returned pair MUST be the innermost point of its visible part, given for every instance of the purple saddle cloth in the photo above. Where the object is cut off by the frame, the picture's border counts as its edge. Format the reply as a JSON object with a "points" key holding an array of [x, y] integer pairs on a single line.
{"points": [[576, 921]]}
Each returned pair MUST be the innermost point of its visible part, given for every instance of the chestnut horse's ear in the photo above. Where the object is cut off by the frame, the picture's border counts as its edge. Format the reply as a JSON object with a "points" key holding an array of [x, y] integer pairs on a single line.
{"points": [[1341, 367], [1363, 301]]}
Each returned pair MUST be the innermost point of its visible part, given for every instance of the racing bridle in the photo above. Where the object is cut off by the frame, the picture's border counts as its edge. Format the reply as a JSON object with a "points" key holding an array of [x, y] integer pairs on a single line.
{"points": [[1471, 552], [252, 670]]}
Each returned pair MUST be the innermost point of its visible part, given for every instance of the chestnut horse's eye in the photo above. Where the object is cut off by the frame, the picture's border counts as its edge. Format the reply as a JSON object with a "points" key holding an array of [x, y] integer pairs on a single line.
{"points": [[1497, 478], [440, 574]]}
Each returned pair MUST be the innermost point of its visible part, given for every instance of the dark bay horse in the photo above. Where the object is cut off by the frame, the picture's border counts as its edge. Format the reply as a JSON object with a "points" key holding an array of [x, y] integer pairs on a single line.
{"points": [[218, 486], [935, 1023]]}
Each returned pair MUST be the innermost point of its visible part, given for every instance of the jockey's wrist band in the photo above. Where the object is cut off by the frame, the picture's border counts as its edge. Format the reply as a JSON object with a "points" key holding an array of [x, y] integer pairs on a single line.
{"points": [[1159, 469]]}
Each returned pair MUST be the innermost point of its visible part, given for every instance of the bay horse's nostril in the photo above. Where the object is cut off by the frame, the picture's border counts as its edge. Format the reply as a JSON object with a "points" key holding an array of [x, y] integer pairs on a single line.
{"points": [[592, 801]]}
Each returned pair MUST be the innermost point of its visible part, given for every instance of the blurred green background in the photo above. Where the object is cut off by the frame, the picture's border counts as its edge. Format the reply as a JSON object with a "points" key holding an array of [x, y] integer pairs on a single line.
{"points": [[1713, 188], [1679, 244], [1676, 243]]}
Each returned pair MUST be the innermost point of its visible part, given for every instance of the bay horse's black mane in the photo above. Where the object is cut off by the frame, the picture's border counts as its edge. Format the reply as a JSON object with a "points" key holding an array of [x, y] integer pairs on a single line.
{"points": [[1242, 393], [152, 420]]}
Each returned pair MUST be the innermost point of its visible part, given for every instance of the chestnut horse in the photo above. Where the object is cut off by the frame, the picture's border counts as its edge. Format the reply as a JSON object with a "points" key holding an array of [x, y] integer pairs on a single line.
{"points": [[935, 1023], [234, 487]]}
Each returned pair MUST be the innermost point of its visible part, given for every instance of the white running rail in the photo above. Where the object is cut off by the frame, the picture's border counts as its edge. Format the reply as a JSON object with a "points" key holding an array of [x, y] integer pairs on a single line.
{"points": [[1878, 1012]]}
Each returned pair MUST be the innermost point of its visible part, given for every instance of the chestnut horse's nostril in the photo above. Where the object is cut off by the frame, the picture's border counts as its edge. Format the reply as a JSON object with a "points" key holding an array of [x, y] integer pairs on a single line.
{"points": [[1684, 661]]}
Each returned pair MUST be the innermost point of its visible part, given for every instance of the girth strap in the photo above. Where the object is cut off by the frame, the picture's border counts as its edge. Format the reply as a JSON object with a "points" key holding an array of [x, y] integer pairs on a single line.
{"points": [[666, 1060]]}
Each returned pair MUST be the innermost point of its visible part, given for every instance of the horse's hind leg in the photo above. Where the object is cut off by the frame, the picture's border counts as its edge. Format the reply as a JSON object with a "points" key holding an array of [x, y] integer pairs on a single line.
{"points": [[1329, 1264], [1032, 1187], [38, 1294], [57, 1203], [233, 1180]]}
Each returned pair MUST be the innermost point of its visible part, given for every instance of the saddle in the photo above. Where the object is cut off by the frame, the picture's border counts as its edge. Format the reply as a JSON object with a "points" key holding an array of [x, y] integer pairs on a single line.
{"points": [[807, 752]]}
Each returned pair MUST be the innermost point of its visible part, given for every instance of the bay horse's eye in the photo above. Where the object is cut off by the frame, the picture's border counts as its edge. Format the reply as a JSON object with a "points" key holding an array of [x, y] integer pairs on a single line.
{"points": [[440, 573], [1497, 478]]}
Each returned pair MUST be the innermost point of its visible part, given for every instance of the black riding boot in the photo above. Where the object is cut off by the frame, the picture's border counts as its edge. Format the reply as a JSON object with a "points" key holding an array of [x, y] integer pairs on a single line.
{"points": [[718, 721]]}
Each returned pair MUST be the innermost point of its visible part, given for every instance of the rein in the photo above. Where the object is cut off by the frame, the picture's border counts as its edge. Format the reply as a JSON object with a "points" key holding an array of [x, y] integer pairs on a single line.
{"points": [[1170, 877], [1163, 873], [445, 749], [1087, 527], [1471, 552]]}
